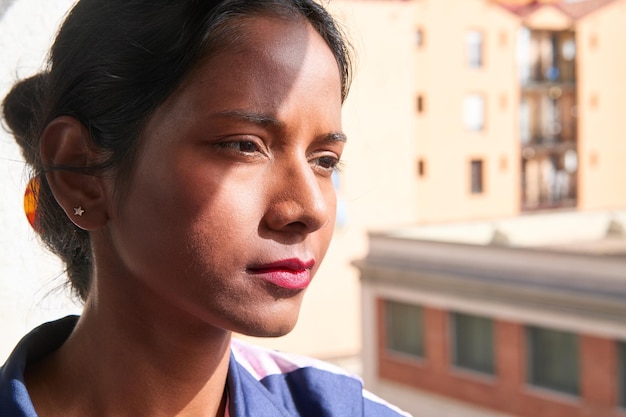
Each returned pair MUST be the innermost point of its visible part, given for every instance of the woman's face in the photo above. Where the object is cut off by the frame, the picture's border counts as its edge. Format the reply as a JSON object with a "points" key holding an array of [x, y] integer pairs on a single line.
{"points": [[231, 205]]}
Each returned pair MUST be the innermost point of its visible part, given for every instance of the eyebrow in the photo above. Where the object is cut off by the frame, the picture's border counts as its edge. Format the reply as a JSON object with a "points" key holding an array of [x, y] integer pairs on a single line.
{"points": [[335, 137], [269, 121], [252, 117]]}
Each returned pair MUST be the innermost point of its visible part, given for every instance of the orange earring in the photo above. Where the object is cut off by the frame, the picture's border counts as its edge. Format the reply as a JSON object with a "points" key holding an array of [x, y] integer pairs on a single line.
{"points": [[30, 203]]}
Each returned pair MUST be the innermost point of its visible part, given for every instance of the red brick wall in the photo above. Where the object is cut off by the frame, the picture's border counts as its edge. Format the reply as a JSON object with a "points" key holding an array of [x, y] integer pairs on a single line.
{"points": [[507, 391], [598, 375]]}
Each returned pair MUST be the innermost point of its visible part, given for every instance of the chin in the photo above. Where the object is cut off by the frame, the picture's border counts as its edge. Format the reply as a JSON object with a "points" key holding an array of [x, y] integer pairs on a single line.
{"points": [[270, 324], [267, 334], [275, 328]]}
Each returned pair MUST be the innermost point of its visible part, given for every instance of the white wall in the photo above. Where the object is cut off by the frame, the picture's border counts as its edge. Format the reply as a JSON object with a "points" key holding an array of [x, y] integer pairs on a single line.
{"points": [[28, 273]]}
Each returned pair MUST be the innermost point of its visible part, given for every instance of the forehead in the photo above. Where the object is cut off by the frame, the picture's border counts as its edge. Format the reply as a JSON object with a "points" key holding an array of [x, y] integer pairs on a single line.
{"points": [[269, 57], [269, 40]]}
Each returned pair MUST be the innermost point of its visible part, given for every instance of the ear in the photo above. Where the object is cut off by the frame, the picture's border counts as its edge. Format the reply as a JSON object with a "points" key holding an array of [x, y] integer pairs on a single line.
{"points": [[65, 144]]}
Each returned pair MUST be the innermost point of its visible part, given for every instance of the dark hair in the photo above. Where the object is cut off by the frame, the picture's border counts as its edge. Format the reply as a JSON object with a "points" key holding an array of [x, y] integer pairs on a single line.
{"points": [[112, 64]]}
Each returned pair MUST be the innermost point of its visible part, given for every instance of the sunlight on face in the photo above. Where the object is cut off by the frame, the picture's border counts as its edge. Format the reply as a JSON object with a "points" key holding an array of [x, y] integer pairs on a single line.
{"points": [[231, 206]]}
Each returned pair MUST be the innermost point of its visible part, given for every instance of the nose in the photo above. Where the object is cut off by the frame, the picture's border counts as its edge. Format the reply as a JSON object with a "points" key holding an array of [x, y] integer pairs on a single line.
{"points": [[301, 202]]}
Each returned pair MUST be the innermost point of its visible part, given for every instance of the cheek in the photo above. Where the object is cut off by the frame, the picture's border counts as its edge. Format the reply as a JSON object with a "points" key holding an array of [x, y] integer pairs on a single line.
{"points": [[158, 211], [225, 203], [222, 219]]}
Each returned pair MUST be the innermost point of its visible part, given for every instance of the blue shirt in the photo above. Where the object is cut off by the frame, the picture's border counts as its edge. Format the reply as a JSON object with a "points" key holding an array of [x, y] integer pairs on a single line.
{"points": [[261, 382]]}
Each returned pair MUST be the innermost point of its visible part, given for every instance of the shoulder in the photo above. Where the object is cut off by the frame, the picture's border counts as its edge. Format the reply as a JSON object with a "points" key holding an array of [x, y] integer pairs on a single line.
{"points": [[309, 387], [14, 398]]}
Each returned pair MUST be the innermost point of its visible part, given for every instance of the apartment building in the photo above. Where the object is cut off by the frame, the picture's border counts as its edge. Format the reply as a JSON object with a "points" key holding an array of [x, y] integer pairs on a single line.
{"points": [[517, 106]]}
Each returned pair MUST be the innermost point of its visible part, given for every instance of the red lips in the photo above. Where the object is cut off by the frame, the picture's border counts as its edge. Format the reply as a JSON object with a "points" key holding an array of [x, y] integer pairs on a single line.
{"points": [[294, 274]]}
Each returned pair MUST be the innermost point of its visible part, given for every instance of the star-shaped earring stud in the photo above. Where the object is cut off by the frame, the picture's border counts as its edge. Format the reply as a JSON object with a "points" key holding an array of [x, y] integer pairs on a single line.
{"points": [[78, 211]]}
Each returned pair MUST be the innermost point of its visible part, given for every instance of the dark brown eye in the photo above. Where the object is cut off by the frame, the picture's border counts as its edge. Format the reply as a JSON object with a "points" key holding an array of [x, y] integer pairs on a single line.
{"points": [[327, 162], [248, 147], [243, 146]]}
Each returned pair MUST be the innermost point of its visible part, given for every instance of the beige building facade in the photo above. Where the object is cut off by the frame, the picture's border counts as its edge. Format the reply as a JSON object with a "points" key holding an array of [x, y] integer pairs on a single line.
{"points": [[518, 107], [466, 110]]}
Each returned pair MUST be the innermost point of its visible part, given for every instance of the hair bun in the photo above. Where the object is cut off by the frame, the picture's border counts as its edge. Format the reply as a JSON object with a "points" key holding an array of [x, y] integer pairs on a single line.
{"points": [[20, 110]]}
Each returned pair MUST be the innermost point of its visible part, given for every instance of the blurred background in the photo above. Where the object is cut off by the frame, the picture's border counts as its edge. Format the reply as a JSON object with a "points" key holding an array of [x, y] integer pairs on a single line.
{"points": [[479, 260]]}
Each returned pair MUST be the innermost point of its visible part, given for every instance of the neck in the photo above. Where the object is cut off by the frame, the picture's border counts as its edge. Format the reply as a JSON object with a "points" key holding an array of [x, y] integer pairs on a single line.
{"points": [[128, 362]]}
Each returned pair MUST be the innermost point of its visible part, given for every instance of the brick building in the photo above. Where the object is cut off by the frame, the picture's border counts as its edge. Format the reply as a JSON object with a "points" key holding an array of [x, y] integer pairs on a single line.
{"points": [[514, 317]]}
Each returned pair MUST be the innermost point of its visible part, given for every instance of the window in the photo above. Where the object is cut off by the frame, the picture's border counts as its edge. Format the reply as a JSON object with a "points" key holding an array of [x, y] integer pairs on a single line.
{"points": [[553, 360], [421, 167], [405, 328], [621, 384], [473, 343], [420, 103], [548, 117], [546, 56], [474, 46], [474, 112], [419, 37], [476, 168], [549, 178]]}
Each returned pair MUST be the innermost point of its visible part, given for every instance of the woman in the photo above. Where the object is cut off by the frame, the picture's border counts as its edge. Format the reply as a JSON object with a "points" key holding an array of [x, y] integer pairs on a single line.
{"points": [[183, 154]]}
